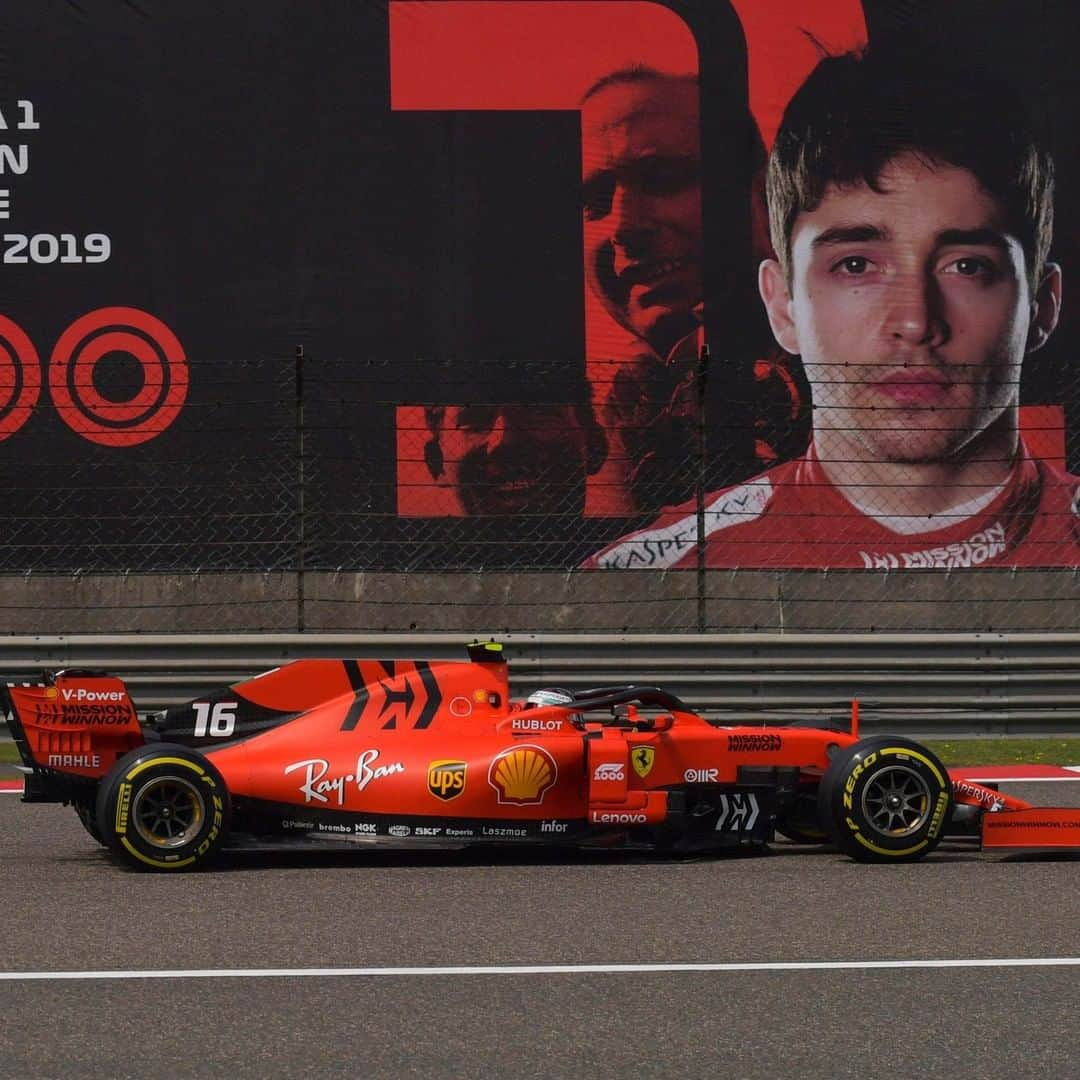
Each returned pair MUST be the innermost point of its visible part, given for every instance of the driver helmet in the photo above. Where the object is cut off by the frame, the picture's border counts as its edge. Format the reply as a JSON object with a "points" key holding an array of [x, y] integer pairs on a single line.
{"points": [[554, 695]]}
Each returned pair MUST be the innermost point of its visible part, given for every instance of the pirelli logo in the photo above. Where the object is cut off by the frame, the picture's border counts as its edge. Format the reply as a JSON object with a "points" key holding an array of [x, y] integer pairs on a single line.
{"points": [[123, 804]]}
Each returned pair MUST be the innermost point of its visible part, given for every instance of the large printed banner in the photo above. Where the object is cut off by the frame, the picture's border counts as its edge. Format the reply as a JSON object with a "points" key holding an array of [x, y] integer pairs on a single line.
{"points": [[464, 284]]}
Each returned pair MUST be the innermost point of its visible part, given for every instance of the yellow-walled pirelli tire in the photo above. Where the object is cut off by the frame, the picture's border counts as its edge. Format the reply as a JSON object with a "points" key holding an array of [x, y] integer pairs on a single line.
{"points": [[86, 808], [163, 807], [885, 799], [801, 822]]}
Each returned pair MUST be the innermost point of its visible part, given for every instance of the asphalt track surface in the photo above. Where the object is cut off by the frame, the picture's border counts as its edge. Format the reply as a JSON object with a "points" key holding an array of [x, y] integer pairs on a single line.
{"points": [[67, 908]]}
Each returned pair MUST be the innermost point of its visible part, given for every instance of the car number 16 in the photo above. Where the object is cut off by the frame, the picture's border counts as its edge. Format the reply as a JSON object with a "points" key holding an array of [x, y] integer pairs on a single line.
{"points": [[219, 722]]}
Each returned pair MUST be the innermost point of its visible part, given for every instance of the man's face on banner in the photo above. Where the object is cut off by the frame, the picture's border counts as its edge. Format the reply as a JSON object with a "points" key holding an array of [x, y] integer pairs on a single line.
{"points": [[912, 313], [515, 459], [642, 205]]}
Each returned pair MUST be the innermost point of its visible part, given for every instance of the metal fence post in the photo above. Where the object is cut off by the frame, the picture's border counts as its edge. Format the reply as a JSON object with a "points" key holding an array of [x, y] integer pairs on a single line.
{"points": [[702, 479], [301, 516]]}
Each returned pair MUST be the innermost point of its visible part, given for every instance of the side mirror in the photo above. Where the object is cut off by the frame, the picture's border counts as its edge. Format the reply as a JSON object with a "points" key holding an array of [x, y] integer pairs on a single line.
{"points": [[628, 714]]}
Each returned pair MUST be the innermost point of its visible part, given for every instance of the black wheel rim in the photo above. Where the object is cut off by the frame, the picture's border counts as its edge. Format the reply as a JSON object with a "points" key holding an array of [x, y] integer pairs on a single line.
{"points": [[896, 801], [167, 812]]}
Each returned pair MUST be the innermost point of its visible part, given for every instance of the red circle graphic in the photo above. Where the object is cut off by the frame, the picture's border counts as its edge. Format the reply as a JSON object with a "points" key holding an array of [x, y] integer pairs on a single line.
{"points": [[154, 376], [20, 378], [150, 342]]}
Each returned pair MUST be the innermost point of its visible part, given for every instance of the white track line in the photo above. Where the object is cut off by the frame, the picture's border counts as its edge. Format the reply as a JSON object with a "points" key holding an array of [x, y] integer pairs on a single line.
{"points": [[536, 969]]}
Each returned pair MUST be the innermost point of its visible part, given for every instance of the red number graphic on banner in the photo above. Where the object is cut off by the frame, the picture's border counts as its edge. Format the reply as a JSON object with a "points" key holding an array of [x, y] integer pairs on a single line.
{"points": [[118, 330], [20, 378], [527, 55], [547, 54]]}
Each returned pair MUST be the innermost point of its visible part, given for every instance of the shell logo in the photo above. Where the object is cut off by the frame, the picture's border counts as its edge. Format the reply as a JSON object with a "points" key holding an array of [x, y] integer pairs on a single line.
{"points": [[522, 775], [52, 692]]}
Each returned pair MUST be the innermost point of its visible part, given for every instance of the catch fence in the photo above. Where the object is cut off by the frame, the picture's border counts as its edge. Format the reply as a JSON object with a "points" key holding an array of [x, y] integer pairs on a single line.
{"points": [[303, 496]]}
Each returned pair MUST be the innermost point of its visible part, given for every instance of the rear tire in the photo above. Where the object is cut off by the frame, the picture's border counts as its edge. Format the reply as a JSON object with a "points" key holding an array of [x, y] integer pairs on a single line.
{"points": [[87, 813], [163, 807], [885, 799]]}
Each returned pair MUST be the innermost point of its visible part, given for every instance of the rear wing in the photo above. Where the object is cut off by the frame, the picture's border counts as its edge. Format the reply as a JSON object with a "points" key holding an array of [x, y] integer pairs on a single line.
{"points": [[70, 729]]}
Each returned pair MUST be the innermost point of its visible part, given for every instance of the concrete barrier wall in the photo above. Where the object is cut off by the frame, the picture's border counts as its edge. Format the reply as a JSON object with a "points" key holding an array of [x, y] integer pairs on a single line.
{"points": [[780, 602]]}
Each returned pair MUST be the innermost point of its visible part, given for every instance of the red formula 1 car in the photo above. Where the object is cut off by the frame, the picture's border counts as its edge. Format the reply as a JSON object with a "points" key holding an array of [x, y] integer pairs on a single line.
{"points": [[408, 753]]}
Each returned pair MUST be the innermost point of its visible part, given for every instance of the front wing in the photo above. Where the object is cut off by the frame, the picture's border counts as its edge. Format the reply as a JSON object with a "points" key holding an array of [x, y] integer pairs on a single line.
{"points": [[1011, 824], [1034, 828]]}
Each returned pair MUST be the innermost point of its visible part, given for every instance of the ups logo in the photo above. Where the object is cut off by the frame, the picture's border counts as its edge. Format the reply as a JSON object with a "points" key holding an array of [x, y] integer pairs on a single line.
{"points": [[446, 779]]}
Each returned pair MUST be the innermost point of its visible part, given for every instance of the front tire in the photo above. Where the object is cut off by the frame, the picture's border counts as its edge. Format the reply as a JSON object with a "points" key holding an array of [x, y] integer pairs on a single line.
{"points": [[164, 808], [885, 799], [801, 823]]}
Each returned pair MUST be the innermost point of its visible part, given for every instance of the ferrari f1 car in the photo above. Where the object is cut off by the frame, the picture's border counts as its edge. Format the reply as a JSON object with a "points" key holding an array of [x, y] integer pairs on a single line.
{"points": [[403, 753]]}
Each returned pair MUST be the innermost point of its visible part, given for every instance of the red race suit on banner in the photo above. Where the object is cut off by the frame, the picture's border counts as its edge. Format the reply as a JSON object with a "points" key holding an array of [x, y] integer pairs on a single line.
{"points": [[794, 517]]}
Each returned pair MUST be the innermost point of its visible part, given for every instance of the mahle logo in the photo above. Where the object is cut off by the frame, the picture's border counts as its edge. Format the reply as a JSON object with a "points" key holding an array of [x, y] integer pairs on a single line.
{"points": [[446, 779]]}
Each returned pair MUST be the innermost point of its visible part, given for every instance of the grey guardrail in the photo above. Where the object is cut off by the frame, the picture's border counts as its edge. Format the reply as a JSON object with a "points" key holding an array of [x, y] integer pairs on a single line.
{"points": [[921, 683]]}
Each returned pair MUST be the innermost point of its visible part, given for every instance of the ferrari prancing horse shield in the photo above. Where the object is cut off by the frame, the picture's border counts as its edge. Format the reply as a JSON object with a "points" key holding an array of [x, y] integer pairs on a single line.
{"points": [[642, 758]]}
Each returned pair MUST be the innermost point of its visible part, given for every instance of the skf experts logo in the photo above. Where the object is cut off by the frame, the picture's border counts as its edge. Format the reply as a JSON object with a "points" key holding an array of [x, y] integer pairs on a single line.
{"points": [[522, 775], [642, 758], [446, 779]]}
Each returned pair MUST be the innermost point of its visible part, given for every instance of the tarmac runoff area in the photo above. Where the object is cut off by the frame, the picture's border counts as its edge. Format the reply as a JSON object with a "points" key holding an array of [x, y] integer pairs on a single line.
{"points": [[537, 963], [526, 969]]}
